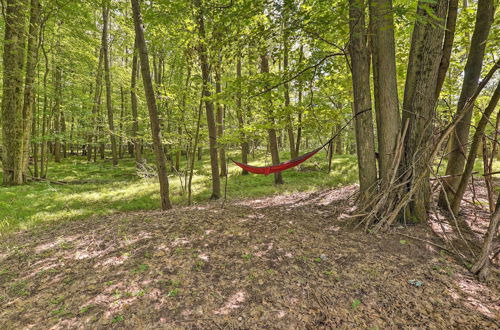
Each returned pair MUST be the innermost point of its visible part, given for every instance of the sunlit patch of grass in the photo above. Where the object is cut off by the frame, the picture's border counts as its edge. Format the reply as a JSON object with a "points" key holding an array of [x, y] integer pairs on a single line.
{"points": [[101, 188]]}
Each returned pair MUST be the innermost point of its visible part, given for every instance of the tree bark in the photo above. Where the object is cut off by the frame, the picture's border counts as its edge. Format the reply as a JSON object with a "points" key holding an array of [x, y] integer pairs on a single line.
{"points": [[12, 102], [385, 82], [95, 106], [29, 90], [273, 143], [133, 104], [472, 72], [449, 36], [241, 121], [152, 108], [107, 78], [209, 105], [419, 102], [360, 61], [473, 150], [220, 118]]}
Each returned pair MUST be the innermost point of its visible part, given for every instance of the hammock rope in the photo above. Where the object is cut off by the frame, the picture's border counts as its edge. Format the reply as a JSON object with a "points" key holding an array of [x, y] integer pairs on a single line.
{"points": [[266, 170]]}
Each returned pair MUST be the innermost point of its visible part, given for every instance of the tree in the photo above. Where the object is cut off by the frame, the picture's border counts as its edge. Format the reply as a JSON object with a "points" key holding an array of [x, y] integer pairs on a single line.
{"points": [[360, 59], [29, 93], [273, 143], [161, 164], [107, 78], [12, 104], [209, 105], [419, 101], [385, 84], [472, 72]]}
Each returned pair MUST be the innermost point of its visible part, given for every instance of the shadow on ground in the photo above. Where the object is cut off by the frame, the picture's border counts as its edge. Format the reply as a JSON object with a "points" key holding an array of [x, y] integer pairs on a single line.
{"points": [[287, 261]]}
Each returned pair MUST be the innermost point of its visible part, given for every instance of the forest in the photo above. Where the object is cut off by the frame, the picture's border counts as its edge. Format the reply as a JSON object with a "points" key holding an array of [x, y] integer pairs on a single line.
{"points": [[213, 164]]}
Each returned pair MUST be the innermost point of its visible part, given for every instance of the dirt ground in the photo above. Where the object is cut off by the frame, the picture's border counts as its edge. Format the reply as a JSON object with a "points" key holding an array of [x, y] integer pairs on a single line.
{"points": [[288, 262]]}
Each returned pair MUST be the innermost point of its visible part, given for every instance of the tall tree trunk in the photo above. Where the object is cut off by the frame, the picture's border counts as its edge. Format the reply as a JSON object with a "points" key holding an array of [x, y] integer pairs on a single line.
{"points": [[43, 151], [386, 98], [473, 150], [120, 126], [273, 143], [289, 127], [12, 101], [365, 140], [472, 72], [241, 121], [209, 105], [29, 92], [133, 103], [420, 100], [153, 111], [107, 78], [57, 112], [220, 118], [451, 22], [95, 106]]}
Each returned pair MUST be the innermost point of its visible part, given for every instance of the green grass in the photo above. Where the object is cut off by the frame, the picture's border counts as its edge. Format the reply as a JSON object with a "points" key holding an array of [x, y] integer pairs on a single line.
{"points": [[113, 189], [118, 189]]}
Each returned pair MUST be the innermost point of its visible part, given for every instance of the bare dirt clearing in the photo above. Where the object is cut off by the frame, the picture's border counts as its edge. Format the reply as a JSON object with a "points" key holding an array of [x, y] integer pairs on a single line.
{"points": [[288, 261]]}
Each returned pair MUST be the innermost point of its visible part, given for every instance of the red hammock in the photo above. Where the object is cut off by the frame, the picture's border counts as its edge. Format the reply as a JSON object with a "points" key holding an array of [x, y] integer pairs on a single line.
{"points": [[266, 170]]}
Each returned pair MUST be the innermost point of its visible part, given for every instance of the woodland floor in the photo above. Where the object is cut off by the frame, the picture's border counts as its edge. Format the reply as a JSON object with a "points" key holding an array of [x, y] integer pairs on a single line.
{"points": [[286, 261]]}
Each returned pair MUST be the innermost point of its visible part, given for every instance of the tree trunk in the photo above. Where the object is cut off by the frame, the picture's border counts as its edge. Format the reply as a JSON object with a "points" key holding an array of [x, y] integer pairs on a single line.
{"points": [[365, 140], [483, 259], [289, 128], [473, 150], [153, 112], [472, 72], [95, 107], [386, 99], [220, 119], [107, 78], [241, 121], [133, 103], [420, 101], [120, 126], [29, 91], [57, 112], [451, 22], [209, 105], [43, 149], [12, 102], [273, 144]]}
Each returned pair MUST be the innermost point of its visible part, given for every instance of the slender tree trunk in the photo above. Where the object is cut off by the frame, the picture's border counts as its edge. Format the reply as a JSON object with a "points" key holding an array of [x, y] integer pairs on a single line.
{"points": [[472, 72], [43, 148], [153, 111], [95, 106], [289, 128], [12, 101], [29, 93], [480, 266], [209, 105], [133, 102], [420, 101], [241, 121], [365, 140], [473, 150], [449, 36], [273, 144], [120, 126], [386, 98], [57, 112], [107, 78], [220, 119]]}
